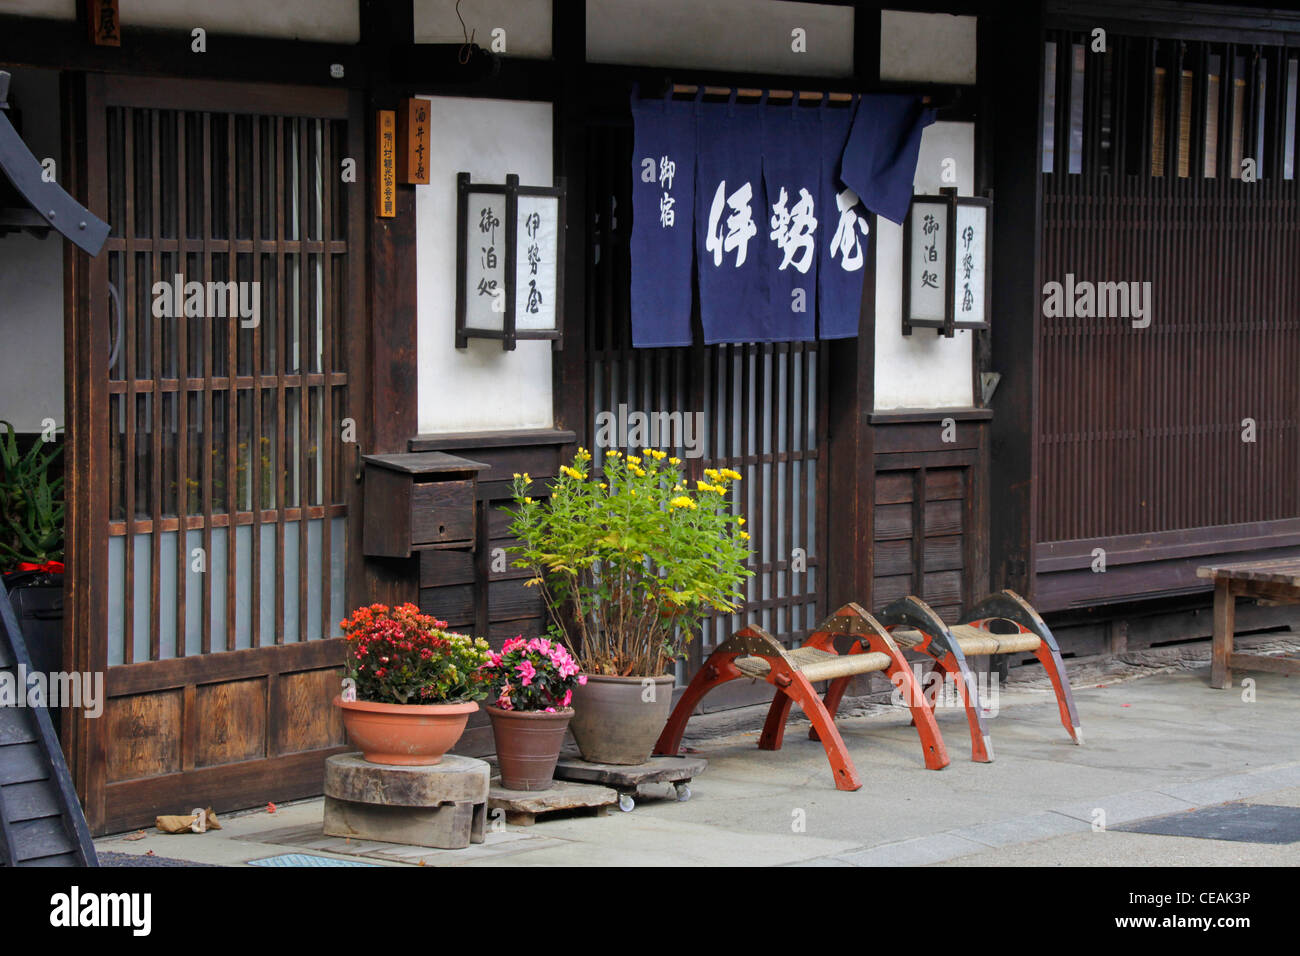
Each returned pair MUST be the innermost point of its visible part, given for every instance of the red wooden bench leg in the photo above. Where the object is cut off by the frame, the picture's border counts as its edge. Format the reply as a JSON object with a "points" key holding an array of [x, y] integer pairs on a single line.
{"points": [[831, 700], [713, 673], [797, 689], [773, 734], [901, 676], [956, 667], [1050, 658]]}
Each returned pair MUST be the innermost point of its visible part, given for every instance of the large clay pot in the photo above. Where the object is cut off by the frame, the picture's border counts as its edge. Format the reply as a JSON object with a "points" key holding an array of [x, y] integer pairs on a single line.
{"points": [[614, 723], [528, 745], [406, 735]]}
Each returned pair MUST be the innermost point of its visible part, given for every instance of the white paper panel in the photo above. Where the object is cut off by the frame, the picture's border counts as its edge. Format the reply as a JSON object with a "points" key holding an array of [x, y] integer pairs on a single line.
{"points": [[968, 290], [535, 262], [929, 260], [485, 268]]}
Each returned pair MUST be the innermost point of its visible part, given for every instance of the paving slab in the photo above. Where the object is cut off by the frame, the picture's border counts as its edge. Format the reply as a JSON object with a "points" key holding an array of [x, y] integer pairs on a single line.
{"points": [[1156, 745]]}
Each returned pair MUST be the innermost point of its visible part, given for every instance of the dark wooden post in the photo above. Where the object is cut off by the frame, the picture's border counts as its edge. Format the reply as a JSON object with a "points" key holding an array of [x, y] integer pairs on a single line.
{"points": [[1010, 50]]}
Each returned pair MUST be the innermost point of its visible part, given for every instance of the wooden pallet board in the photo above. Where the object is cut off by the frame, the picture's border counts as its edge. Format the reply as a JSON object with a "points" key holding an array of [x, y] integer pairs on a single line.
{"points": [[522, 807], [631, 776]]}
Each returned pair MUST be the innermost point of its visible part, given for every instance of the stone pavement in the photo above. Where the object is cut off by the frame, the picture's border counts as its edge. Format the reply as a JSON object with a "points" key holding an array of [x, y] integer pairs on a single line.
{"points": [[1155, 745]]}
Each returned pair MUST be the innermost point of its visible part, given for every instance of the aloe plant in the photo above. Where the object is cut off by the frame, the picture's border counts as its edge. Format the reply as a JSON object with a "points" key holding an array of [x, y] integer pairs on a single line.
{"points": [[31, 505]]}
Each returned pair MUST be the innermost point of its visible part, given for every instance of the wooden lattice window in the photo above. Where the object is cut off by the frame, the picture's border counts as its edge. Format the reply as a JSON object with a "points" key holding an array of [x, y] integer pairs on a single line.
{"points": [[228, 477]]}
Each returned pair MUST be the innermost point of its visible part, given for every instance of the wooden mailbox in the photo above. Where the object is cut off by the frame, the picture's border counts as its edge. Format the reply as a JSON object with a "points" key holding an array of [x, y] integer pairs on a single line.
{"points": [[418, 502]]}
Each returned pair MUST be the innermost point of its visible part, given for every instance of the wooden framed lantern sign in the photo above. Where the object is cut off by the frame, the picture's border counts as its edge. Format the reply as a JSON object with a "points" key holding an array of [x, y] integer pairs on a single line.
{"points": [[946, 263], [509, 261]]}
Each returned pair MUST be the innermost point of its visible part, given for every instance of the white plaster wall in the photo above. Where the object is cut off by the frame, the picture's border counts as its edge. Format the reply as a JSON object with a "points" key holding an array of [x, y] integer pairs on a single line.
{"points": [[31, 280], [923, 370], [527, 24], [753, 36], [927, 47], [327, 21], [482, 387], [54, 9]]}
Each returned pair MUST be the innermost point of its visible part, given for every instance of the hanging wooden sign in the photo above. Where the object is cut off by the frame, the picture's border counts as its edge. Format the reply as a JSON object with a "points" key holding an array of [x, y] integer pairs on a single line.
{"points": [[509, 261], [413, 142], [386, 181], [105, 23]]}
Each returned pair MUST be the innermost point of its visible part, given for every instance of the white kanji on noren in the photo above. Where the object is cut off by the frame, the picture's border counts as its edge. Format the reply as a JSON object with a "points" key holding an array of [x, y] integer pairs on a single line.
{"points": [[740, 226], [667, 172], [845, 242], [793, 230], [667, 217]]}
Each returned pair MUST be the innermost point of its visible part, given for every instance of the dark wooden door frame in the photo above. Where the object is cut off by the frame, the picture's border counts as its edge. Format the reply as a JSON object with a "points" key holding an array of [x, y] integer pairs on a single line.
{"points": [[87, 327]]}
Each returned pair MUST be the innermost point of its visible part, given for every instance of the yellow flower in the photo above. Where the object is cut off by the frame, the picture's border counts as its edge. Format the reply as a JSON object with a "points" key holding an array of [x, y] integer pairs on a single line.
{"points": [[657, 455], [611, 454], [583, 454], [517, 475], [603, 486], [744, 536], [674, 461], [633, 460], [528, 501], [705, 486], [635, 470], [572, 472], [526, 478], [711, 473], [728, 473], [741, 522], [682, 502]]}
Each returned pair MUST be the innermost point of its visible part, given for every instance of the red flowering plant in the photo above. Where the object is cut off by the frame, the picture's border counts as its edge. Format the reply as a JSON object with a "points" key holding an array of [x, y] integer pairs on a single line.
{"points": [[400, 656], [538, 674]]}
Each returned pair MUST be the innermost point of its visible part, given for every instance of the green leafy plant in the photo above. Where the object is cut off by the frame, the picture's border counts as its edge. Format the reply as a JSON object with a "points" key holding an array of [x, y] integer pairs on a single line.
{"points": [[31, 505], [629, 565]]}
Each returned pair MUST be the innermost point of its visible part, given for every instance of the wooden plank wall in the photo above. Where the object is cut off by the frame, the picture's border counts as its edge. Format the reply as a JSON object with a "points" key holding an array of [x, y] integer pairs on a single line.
{"points": [[930, 523], [462, 587]]}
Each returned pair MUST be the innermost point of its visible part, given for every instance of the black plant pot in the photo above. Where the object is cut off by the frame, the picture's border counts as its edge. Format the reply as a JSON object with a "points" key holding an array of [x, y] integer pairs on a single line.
{"points": [[37, 597]]}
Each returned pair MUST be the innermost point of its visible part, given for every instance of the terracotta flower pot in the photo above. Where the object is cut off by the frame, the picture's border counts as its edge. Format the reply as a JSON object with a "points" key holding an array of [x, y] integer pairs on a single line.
{"points": [[613, 722], [528, 745], [408, 735]]}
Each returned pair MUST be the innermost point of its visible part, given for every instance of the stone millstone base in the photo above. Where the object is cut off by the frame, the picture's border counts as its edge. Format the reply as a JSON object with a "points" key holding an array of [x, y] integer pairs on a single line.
{"points": [[522, 806], [441, 806], [630, 776]]}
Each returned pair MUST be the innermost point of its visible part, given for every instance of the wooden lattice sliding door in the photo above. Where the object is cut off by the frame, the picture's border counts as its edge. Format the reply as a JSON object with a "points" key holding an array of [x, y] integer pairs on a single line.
{"points": [[219, 470], [756, 408], [1180, 437]]}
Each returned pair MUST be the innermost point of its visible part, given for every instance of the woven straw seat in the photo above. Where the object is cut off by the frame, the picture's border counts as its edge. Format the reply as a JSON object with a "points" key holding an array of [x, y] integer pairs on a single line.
{"points": [[751, 652], [818, 665], [915, 626], [975, 641]]}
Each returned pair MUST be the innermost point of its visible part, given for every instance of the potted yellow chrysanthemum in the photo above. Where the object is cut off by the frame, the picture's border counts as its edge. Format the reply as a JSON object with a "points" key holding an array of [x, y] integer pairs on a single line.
{"points": [[628, 563]]}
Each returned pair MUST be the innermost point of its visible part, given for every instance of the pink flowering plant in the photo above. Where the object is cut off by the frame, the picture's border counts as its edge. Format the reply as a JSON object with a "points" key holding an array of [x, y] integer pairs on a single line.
{"points": [[538, 674]]}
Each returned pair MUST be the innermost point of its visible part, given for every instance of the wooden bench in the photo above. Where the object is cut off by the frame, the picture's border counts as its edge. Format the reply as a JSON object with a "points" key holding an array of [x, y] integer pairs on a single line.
{"points": [[755, 654], [916, 627], [1276, 580]]}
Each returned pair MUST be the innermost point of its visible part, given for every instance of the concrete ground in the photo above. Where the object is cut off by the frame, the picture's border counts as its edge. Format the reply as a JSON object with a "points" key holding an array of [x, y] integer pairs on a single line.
{"points": [[1159, 740]]}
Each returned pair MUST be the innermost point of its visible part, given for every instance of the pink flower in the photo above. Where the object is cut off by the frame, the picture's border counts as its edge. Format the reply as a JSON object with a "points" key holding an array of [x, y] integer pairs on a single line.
{"points": [[526, 672], [582, 680], [568, 698]]}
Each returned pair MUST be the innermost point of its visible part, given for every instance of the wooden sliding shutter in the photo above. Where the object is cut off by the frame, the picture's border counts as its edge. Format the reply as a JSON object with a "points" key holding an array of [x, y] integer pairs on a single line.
{"points": [[1166, 442], [221, 322]]}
